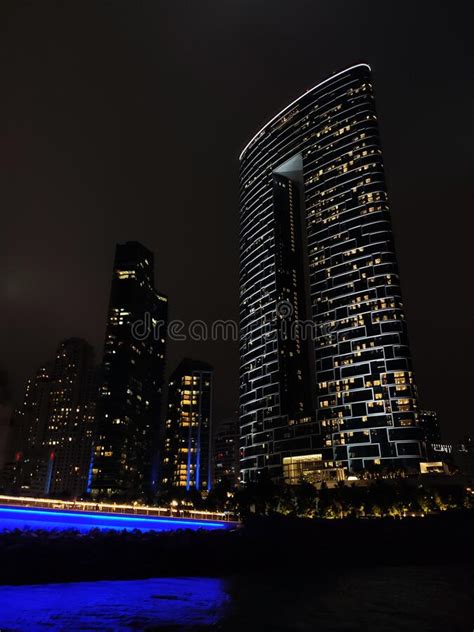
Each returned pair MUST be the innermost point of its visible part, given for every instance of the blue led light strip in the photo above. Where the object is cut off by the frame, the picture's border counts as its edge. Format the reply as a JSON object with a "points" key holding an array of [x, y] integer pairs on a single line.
{"points": [[149, 519]]}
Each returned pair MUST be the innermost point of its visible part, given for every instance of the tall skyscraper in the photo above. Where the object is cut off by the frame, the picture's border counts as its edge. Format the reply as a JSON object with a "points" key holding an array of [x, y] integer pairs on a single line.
{"points": [[186, 454], [316, 246], [54, 427], [130, 394]]}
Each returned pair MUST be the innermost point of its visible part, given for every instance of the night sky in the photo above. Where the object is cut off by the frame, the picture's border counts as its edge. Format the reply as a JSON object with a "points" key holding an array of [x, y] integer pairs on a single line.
{"points": [[124, 120]]}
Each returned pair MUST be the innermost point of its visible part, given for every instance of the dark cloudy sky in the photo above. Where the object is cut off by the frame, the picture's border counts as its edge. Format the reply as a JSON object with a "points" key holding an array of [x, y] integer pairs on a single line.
{"points": [[124, 120]]}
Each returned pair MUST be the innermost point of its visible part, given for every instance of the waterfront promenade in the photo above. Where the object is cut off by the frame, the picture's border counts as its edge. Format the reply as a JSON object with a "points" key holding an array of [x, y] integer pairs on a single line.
{"points": [[49, 514]]}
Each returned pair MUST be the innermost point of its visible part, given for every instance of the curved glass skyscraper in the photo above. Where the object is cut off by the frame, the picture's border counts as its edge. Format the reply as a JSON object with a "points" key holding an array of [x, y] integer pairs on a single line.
{"points": [[326, 373]]}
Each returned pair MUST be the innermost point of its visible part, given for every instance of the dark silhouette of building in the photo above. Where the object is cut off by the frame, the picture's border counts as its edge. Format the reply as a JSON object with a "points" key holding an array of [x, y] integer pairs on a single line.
{"points": [[130, 394], [69, 432], [316, 237], [53, 430], [6, 410], [32, 417], [226, 451], [29, 466], [186, 454], [429, 424]]}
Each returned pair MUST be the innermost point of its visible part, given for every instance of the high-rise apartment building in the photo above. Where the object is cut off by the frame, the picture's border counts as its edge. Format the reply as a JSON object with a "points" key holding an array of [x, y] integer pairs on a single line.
{"points": [[186, 454], [70, 428], [130, 393], [54, 428], [326, 370]]}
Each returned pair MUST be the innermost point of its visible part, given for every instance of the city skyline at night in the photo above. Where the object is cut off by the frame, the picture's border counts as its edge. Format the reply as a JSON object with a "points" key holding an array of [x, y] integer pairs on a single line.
{"points": [[315, 219], [235, 324], [100, 146], [316, 170]]}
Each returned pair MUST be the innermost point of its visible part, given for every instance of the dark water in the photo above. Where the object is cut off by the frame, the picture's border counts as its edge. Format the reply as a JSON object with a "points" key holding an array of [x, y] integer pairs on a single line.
{"points": [[49, 519], [113, 605], [382, 600]]}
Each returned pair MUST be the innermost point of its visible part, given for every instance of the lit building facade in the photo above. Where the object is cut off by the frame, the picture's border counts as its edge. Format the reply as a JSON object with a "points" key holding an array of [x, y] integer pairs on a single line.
{"points": [[311, 469], [131, 384], [186, 453], [316, 245], [226, 451]]}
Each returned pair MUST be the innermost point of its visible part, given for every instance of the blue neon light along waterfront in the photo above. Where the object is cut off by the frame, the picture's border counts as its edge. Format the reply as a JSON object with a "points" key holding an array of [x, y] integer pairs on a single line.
{"points": [[50, 519]]}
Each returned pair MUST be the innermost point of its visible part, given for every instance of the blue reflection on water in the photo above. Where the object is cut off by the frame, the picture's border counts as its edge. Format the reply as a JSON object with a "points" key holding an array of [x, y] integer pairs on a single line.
{"points": [[49, 519], [113, 605]]}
